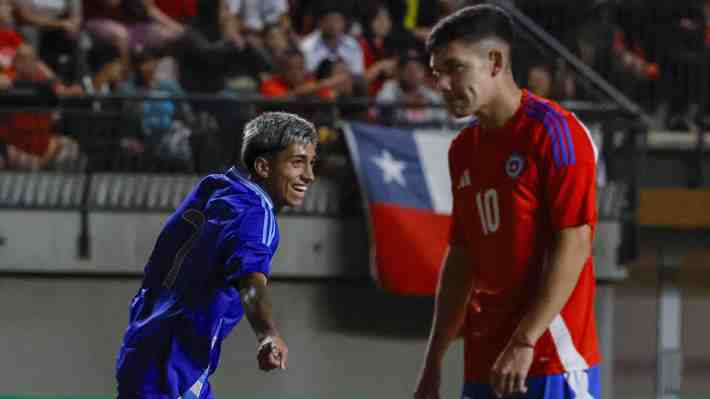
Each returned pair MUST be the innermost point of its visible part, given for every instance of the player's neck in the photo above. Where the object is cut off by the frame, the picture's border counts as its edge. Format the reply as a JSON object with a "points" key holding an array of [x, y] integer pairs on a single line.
{"points": [[263, 186], [496, 114]]}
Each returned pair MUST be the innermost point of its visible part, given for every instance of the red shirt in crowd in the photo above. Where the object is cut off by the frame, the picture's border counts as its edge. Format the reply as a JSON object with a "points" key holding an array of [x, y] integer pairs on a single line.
{"points": [[277, 86], [9, 42]]}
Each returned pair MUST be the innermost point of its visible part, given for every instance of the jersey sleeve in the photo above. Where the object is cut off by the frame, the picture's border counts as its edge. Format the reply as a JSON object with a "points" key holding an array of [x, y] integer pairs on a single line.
{"points": [[570, 166], [245, 244], [456, 231]]}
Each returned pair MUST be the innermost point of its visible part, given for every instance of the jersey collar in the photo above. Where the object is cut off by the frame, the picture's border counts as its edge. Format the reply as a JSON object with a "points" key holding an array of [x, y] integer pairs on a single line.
{"points": [[241, 177]]}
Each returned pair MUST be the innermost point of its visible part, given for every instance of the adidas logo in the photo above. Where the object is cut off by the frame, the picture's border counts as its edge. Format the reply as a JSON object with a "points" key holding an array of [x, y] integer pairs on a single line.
{"points": [[465, 180]]}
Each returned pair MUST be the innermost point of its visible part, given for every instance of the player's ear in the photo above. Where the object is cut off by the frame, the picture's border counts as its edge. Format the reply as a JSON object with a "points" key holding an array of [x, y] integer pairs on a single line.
{"points": [[262, 168], [496, 61]]}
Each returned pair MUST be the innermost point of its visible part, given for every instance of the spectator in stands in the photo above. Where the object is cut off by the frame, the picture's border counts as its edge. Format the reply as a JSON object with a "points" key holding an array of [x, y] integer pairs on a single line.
{"points": [[128, 24], [344, 88], [213, 55], [182, 12], [253, 16], [165, 133], [31, 137], [331, 41], [539, 79], [106, 66], [600, 43], [10, 40], [276, 43], [408, 93], [686, 59], [53, 28], [113, 139], [379, 45], [294, 80]]}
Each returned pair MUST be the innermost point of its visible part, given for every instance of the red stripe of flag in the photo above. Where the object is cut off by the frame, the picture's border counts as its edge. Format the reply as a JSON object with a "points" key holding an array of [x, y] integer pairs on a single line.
{"points": [[410, 247]]}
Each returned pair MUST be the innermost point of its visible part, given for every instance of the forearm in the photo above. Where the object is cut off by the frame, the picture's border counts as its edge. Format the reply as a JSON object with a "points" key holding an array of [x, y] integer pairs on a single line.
{"points": [[453, 291], [256, 301], [302, 90], [375, 70], [571, 251]]}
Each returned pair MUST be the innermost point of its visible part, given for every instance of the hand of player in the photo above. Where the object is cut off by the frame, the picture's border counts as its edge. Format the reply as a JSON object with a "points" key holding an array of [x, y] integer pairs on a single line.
{"points": [[272, 353], [511, 369], [429, 382]]}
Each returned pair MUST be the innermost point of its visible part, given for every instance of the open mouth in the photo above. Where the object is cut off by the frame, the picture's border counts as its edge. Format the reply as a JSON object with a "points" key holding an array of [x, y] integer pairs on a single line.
{"points": [[300, 188]]}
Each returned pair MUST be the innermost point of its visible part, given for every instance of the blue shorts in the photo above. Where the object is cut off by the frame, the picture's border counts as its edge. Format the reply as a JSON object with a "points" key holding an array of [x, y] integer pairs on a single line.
{"points": [[582, 384]]}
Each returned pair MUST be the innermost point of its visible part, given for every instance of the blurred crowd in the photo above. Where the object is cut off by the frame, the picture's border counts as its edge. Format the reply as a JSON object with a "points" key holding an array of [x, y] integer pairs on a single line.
{"points": [[656, 53], [352, 54]]}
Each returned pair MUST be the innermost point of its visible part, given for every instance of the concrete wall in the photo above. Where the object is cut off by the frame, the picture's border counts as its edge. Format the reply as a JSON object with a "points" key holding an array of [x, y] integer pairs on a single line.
{"points": [[42, 222], [120, 242], [347, 340]]}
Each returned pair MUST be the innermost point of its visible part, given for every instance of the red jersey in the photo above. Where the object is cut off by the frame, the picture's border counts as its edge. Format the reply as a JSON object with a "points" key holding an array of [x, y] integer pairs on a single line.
{"points": [[513, 188], [9, 42]]}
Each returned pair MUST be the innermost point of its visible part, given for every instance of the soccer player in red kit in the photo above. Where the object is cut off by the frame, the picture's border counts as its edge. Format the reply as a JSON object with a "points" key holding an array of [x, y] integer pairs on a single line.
{"points": [[518, 280]]}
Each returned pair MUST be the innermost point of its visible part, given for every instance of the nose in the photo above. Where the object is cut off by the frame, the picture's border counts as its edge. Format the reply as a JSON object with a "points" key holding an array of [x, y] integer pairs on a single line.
{"points": [[443, 82], [308, 175]]}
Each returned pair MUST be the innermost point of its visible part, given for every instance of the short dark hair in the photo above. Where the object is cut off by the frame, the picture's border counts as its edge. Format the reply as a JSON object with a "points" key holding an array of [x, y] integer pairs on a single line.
{"points": [[271, 132], [472, 24], [101, 54]]}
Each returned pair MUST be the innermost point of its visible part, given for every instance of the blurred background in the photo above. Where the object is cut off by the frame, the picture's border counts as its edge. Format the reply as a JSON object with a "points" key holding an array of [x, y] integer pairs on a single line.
{"points": [[110, 110]]}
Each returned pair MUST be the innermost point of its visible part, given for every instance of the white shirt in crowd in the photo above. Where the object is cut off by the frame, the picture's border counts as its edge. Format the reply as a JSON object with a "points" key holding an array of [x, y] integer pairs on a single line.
{"points": [[315, 51], [256, 14], [51, 8], [392, 92]]}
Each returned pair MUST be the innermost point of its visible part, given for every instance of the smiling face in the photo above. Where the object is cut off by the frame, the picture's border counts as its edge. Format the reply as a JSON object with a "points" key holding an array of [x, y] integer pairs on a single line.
{"points": [[464, 73], [287, 175]]}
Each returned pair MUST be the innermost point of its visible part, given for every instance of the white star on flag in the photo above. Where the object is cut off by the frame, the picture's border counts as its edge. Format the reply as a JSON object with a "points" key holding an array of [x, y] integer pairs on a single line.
{"points": [[391, 168]]}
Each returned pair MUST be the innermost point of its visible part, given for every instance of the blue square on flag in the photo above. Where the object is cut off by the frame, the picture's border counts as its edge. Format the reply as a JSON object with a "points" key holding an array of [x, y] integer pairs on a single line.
{"points": [[388, 161]]}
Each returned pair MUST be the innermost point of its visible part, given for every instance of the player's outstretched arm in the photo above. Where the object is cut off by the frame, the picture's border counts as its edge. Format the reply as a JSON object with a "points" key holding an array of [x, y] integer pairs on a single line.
{"points": [[272, 352], [453, 291], [571, 250]]}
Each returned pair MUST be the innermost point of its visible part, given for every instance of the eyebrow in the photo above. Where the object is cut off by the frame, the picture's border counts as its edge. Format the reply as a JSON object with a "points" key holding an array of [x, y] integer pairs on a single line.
{"points": [[449, 62], [303, 156]]}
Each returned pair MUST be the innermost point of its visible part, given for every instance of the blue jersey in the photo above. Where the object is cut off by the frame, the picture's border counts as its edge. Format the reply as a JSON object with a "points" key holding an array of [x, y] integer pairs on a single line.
{"points": [[189, 301]]}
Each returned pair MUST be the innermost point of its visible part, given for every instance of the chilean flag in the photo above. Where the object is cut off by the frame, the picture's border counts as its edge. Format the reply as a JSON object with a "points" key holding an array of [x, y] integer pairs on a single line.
{"points": [[404, 176]]}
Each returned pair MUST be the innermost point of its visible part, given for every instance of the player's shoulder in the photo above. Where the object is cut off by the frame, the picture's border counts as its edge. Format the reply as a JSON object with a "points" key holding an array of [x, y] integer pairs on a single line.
{"points": [[463, 137], [559, 131], [236, 195], [545, 112]]}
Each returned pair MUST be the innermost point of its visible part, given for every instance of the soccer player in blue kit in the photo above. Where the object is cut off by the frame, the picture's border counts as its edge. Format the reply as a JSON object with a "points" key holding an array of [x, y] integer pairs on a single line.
{"points": [[210, 267]]}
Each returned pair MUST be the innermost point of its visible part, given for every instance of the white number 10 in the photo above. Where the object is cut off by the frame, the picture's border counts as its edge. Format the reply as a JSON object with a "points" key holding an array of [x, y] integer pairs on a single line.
{"points": [[488, 212]]}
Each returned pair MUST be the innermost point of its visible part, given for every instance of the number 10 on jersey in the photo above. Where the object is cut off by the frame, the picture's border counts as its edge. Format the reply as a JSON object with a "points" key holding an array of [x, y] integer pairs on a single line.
{"points": [[488, 213]]}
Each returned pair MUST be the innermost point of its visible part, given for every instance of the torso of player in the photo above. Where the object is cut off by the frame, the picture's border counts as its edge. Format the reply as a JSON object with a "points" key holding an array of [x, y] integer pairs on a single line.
{"points": [[510, 187], [496, 191]]}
